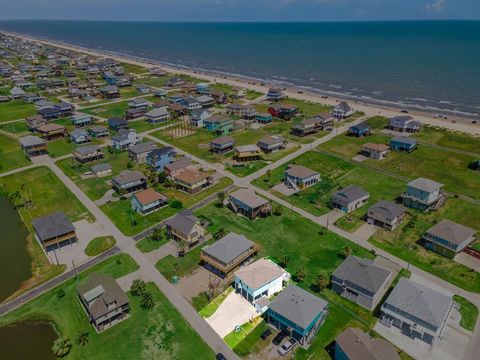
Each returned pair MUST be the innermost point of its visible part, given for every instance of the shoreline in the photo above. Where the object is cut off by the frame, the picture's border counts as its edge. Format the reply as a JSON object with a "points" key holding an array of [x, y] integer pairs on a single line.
{"points": [[454, 122]]}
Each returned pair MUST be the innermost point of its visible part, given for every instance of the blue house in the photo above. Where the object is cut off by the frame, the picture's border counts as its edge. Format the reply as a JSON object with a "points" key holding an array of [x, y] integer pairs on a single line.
{"points": [[110, 79], [147, 201], [264, 118], [116, 123], [403, 143], [299, 313], [81, 120], [359, 130], [158, 158], [423, 194]]}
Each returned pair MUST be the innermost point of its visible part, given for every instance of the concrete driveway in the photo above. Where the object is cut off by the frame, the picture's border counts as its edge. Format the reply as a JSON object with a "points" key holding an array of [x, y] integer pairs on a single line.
{"points": [[365, 231], [468, 260], [233, 311]]}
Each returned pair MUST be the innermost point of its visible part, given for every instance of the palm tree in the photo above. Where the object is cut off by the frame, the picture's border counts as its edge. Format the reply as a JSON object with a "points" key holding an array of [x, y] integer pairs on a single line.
{"points": [[148, 302], [284, 262], [300, 274], [322, 281], [278, 210], [138, 287], [269, 175], [220, 233], [61, 347], [181, 244], [82, 338], [346, 251], [157, 235], [221, 198]]}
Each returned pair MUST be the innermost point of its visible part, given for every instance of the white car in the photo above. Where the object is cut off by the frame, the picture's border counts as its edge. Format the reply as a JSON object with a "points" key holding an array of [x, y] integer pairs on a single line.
{"points": [[287, 347]]}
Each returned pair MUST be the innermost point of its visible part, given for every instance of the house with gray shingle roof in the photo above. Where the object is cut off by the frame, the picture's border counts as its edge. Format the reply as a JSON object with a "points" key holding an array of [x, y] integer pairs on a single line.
{"points": [[33, 145], [349, 198], [272, 143], [300, 177], [386, 215], [342, 111], [423, 194], [139, 152], [185, 227], [297, 312], [416, 310], [54, 231], [404, 123], [129, 181], [448, 238], [103, 300], [361, 281], [88, 153], [226, 255], [248, 204]]}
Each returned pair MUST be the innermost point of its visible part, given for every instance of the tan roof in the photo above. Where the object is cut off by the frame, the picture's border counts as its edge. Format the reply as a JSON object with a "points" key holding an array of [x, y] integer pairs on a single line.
{"points": [[300, 171], [249, 198], [50, 127], [190, 176], [148, 196], [377, 147], [357, 345], [259, 273]]}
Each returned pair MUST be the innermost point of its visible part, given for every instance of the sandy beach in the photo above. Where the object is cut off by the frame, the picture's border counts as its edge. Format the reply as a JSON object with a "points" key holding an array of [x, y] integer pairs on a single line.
{"points": [[455, 123]]}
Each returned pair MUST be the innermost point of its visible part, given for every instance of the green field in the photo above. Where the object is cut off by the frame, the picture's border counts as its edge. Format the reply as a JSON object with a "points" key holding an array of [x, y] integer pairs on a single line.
{"points": [[148, 244], [43, 193], [18, 128], [452, 139], [158, 333], [16, 109], [468, 311], [11, 155], [130, 222], [133, 68], [109, 110], [99, 245]]}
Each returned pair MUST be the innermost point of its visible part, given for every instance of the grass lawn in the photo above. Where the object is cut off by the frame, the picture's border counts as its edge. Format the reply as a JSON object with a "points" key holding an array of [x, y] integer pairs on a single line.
{"points": [[11, 155], [252, 343], [234, 338], [121, 213], [252, 94], [476, 245], [282, 127], [99, 245], [142, 125], [133, 68], [109, 110], [60, 147], [19, 128], [468, 311], [148, 244], [16, 109], [350, 146], [45, 192], [444, 137], [159, 333], [211, 307]]}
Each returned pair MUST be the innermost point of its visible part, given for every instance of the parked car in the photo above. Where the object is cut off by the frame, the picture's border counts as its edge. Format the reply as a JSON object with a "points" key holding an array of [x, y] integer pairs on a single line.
{"points": [[266, 334], [287, 347], [277, 340], [220, 356], [404, 111]]}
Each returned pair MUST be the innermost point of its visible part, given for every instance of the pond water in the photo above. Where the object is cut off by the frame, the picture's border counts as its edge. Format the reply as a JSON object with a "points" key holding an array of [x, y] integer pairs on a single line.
{"points": [[39, 338], [15, 261]]}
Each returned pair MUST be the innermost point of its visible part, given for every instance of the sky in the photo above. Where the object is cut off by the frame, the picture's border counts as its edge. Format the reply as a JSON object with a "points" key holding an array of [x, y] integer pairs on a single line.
{"points": [[240, 10]]}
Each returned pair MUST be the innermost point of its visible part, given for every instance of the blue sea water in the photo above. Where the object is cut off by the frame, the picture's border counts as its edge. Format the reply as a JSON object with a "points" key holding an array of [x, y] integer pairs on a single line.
{"points": [[432, 64]]}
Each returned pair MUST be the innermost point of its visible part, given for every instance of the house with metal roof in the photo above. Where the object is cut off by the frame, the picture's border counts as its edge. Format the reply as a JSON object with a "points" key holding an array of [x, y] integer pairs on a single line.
{"points": [[129, 181], [158, 115], [423, 194], [403, 143], [298, 313], [354, 344], [386, 215], [117, 123], [81, 120], [448, 238], [417, 311], [260, 279], [103, 300], [226, 255], [272, 143], [299, 177], [349, 199], [249, 152], [139, 152], [54, 231], [185, 227], [33, 146], [247, 203], [404, 123], [147, 201], [361, 281], [275, 94]]}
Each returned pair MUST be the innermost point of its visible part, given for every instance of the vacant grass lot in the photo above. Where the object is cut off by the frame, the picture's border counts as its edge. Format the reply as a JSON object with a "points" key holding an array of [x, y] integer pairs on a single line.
{"points": [[15, 109], [109, 110], [99, 245], [130, 222], [18, 128], [456, 140], [11, 155], [45, 193], [159, 333]]}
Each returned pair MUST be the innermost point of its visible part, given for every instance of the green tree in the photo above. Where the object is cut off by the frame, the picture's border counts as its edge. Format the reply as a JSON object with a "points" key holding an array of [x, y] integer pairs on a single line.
{"points": [[148, 302], [269, 176], [219, 234], [322, 281], [82, 338], [62, 346], [162, 177], [157, 235], [176, 204], [221, 198], [300, 274], [138, 287], [278, 210], [346, 251], [285, 261]]}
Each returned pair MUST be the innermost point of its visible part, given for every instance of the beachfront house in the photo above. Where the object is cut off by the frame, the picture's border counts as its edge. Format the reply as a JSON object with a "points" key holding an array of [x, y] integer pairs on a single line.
{"points": [[448, 238], [158, 115], [100, 170], [260, 280], [247, 203], [33, 146], [79, 136], [81, 120], [342, 111], [354, 344], [283, 111], [124, 139], [87, 153], [158, 158], [404, 123], [403, 144], [375, 151], [198, 116], [52, 131], [272, 143], [175, 82], [139, 152], [361, 281], [426, 319], [275, 94], [386, 215], [219, 124], [226, 255], [359, 130], [222, 144], [299, 177], [349, 199], [423, 194], [247, 153], [147, 201], [54, 231], [192, 181], [298, 313], [185, 227], [103, 300], [129, 181]]}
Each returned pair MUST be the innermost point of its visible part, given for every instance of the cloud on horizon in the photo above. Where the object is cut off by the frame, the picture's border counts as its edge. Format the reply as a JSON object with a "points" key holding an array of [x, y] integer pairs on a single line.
{"points": [[435, 7]]}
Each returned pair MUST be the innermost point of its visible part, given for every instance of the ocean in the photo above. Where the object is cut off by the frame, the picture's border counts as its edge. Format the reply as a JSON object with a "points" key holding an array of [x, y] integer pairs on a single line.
{"points": [[433, 65]]}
